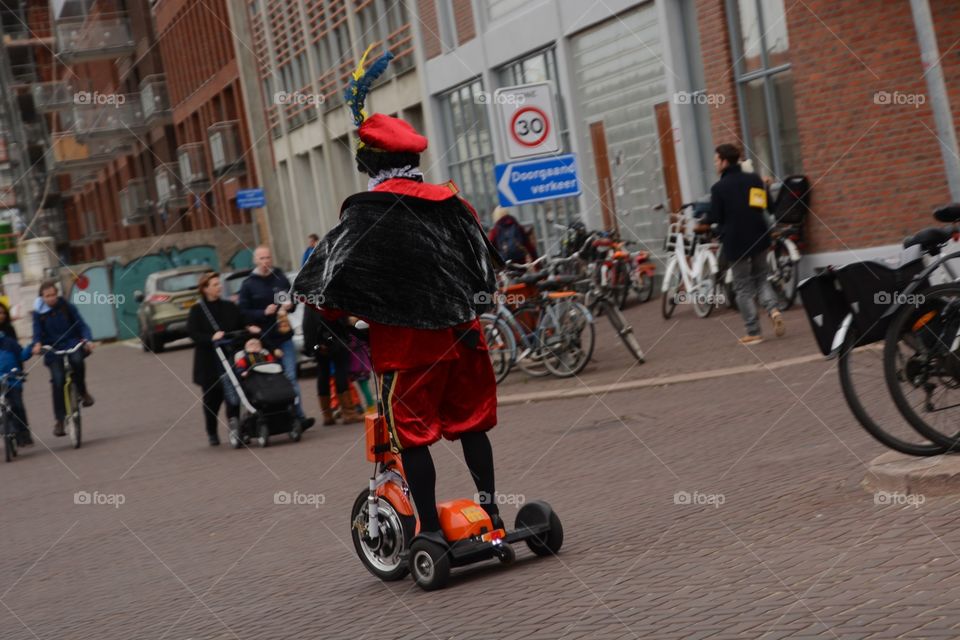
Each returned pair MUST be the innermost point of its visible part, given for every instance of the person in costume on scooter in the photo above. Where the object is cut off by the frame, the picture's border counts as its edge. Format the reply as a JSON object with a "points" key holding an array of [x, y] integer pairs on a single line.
{"points": [[412, 260]]}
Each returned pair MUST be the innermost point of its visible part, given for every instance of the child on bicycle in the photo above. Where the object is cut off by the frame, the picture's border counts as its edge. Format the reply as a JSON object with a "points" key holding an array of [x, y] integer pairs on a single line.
{"points": [[12, 357]]}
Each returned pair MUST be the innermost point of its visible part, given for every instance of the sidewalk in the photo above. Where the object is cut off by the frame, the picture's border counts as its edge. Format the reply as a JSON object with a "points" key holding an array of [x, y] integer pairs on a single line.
{"points": [[682, 349]]}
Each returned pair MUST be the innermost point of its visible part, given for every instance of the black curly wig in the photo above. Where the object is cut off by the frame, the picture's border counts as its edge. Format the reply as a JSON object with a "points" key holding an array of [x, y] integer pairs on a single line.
{"points": [[372, 162]]}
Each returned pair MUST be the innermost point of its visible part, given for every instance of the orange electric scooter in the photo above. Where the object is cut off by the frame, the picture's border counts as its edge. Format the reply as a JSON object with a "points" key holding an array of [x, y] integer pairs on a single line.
{"points": [[383, 524]]}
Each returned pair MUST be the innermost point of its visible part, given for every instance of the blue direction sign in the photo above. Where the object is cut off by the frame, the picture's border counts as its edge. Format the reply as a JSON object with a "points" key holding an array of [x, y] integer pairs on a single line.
{"points": [[537, 180], [251, 199]]}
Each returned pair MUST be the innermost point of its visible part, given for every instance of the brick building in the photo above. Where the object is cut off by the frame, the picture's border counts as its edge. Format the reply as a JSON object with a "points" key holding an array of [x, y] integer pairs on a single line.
{"points": [[296, 58], [213, 159], [645, 90], [836, 91]]}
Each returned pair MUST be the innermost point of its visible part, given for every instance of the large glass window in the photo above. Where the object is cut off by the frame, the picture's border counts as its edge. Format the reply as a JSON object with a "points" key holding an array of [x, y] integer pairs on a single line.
{"points": [[543, 216], [470, 152], [765, 85]]}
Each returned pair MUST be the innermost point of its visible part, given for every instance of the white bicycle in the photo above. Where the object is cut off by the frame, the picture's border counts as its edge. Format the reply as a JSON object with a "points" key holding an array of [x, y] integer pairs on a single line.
{"points": [[691, 273]]}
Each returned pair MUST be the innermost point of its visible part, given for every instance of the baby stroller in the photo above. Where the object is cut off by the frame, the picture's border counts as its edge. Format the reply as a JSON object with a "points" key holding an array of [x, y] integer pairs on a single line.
{"points": [[267, 400]]}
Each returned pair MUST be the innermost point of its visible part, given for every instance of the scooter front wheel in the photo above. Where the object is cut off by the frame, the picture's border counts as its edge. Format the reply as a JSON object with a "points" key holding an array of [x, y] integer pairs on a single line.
{"points": [[430, 564], [383, 556]]}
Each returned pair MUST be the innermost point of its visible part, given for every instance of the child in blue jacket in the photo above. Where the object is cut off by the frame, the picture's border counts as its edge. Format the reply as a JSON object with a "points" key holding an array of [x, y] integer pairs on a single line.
{"points": [[12, 357]]}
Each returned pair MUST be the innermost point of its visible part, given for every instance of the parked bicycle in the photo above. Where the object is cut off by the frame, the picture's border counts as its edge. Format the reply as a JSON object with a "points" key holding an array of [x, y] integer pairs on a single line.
{"points": [[539, 325], [72, 421], [692, 269], [7, 416], [898, 340]]}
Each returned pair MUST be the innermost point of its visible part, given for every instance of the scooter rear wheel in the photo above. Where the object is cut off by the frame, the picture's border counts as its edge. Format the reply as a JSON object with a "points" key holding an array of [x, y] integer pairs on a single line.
{"points": [[383, 559], [536, 513]]}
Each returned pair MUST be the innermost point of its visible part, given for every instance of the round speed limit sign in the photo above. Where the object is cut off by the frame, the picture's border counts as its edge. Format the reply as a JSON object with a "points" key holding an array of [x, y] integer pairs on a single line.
{"points": [[529, 126]]}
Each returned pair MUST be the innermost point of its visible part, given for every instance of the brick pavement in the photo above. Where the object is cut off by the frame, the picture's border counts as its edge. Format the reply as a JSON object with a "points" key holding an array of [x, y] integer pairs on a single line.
{"points": [[199, 549]]}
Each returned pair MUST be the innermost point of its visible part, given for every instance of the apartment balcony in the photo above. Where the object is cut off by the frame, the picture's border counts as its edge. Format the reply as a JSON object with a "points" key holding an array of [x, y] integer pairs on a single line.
{"points": [[71, 156], [108, 115], [94, 39], [191, 161], [171, 193], [136, 207], [225, 149], [53, 96], [155, 100]]}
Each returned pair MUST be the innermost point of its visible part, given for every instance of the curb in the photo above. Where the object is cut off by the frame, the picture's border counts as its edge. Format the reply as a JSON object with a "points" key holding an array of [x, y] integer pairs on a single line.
{"points": [[898, 473], [582, 391]]}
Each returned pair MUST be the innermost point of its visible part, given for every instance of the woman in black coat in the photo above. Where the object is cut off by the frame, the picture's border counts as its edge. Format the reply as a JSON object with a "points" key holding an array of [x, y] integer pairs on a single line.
{"points": [[208, 320]]}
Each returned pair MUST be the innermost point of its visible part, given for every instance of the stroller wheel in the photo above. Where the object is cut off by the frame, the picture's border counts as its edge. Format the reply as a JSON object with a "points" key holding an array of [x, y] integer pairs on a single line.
{"points": [[296, 433], [263, 437]]}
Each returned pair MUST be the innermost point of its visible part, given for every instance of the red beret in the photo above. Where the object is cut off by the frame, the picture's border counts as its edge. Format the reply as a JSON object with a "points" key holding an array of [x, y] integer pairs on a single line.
{"points": [[391, 134]]}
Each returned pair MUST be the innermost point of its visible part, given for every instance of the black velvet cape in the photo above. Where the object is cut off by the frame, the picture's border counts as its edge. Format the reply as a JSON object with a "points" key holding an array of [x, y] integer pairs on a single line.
{"points": [[404, 261]]}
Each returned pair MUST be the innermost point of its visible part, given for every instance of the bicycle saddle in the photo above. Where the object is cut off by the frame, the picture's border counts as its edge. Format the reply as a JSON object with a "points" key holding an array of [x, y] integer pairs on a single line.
{"points": [[929, 239], [558, 282], [949, 213]]}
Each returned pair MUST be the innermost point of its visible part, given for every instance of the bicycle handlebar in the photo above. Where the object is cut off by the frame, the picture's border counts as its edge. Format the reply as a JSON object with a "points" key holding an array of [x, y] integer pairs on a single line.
{"points": [[63, 352]]}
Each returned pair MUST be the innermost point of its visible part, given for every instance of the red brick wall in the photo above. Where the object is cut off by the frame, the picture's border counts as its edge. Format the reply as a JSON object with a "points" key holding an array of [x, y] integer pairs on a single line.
{"points": [[876, 168], [463, 17], [429, 28], [718, 70]]}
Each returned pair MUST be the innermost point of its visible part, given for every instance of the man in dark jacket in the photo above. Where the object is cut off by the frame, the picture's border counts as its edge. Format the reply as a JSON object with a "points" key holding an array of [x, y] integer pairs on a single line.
{"points": [[57, 323], [737, 203], [265, 302]]}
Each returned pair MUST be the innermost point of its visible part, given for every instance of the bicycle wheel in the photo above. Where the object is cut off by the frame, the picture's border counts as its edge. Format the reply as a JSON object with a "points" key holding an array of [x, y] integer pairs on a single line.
{"points": [[501, 344], [704, 291], [74, 422], [529, 353], [921, 362], [642, 286], [784, 276], [668, 299], [863, 384], [621, 284], [625, 331], [568, 338]]}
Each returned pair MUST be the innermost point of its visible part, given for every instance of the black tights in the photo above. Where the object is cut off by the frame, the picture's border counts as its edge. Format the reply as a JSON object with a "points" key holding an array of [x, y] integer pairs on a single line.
{"points": [[422, 477]]}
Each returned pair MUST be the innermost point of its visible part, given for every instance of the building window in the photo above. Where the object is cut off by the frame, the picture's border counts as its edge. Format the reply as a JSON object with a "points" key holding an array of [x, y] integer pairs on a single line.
{"points": [[764, 80], [543, 216], [470, 151]]}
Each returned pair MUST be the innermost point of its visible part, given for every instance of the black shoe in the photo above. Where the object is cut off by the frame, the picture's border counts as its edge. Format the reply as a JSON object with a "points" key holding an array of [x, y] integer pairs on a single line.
{"points": [[24, 439], [58, 430], [306, 423], [214, 440], [87, 400]]}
